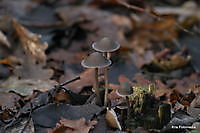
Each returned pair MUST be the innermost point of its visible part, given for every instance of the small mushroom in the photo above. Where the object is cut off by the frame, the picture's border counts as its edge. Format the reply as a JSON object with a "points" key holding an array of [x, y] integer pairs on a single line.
{"points": [[122, 106], [96, 60], [106, 46], [126, 90]]}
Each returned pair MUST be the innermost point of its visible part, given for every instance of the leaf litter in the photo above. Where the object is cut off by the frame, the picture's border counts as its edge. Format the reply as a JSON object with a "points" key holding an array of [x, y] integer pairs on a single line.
{"points": [[161, 69]]}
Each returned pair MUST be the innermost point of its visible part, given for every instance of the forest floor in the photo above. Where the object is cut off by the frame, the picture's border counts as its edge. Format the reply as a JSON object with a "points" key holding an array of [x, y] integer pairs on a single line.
{"points": [[45, 89]]}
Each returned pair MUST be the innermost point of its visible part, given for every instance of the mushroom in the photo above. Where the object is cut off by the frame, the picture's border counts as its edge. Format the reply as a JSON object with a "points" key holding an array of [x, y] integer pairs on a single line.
{"points": [[106, 46], [126, 90], [122, 106], [96, 60]]}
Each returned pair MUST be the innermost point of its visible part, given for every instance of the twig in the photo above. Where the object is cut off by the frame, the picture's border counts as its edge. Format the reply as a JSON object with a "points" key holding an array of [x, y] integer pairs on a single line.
{"points": [[29, 117], [72, 80]]}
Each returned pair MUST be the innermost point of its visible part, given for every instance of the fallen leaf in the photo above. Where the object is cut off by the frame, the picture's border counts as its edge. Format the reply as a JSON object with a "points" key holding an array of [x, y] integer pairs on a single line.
{"points": [[86, 80], [194, 112], [20, 127], [26, 87], [99, 23], [62, 97], [73, 126], [30, 42], [9, 101], [141, 80], [49, 115], [189, 8], [32, 70], [72, 57], [140, 130], [111, 119], [196, 102], [197, 126], [174, 62], [101, 126], [142, 59], [113, 95], [186, 84], [4, 40], [180, 119], [11, 61]]}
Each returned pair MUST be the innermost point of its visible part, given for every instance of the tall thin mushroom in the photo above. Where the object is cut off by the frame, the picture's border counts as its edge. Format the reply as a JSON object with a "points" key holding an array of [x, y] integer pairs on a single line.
{"points": [[106, 46], [95, 61], [126, 90]]}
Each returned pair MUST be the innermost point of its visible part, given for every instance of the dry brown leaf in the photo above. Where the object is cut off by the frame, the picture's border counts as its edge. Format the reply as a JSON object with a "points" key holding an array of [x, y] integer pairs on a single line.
{"points": [[113, 95], [86, 80], [19, 127], [194, 112], [196, 102], [123, 78], [29, 68], [9, 101], [62, 96], [174, 62], [67, 56], [30, 42], [11, 61], [99, 23], [142, 59], [4, 40], [26, 87], [140, 130], [162, 92], [73, 126], [186, 84], [111, 119], [141, 80]]}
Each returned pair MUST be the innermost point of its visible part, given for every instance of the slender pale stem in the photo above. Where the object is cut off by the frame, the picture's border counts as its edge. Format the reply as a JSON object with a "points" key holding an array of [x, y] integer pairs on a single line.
{"points": [[106, 81], [96, 86], [106, 86]]}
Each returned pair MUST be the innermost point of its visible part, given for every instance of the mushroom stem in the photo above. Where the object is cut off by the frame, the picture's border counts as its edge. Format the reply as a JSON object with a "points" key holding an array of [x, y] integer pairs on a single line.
{"points": [[106, 86], [106, 81], [96, 86], [128, 104]]}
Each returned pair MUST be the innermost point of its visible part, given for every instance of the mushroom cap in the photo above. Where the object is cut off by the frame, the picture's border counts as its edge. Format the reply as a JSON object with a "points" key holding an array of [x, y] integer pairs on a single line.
{"points": [[125, 89], [105, 45], [122, 104], [95, 60]]}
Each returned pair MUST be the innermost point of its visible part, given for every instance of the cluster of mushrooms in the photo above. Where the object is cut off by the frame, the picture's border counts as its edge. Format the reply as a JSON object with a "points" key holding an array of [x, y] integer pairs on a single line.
{"points": [[101, 59]]}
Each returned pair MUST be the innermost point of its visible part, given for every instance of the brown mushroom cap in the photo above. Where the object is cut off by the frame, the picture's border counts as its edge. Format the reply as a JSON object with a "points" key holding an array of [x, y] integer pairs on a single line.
{"points": [[125, 89], [95, 60], [106, 45]]}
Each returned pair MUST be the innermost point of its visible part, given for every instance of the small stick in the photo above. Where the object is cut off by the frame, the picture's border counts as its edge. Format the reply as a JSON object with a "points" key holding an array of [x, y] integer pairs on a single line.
{"points": [[72, 80]]}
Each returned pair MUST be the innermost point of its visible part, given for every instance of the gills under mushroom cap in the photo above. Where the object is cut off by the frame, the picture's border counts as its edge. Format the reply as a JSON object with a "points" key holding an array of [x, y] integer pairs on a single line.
{"points": [[105, 45], [96, 60]]}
